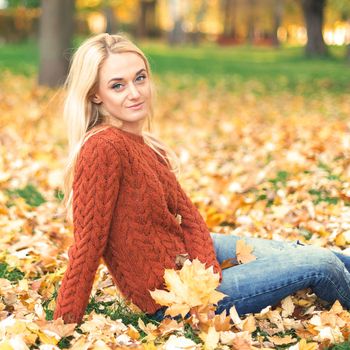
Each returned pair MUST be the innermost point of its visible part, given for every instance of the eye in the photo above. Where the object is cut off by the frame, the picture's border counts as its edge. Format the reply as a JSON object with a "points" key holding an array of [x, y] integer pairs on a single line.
{"points": [[141, 76], [115, 86]]}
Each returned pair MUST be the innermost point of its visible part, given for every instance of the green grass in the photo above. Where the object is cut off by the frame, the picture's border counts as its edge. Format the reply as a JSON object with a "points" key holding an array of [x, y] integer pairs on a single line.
{"points": [[19, 58], [273, 69], [340, 346], [285, 68], [10, 273]]}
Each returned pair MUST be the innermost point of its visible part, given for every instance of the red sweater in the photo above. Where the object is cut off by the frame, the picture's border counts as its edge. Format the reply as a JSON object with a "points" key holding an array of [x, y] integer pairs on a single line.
{"points": [[125, 199]]}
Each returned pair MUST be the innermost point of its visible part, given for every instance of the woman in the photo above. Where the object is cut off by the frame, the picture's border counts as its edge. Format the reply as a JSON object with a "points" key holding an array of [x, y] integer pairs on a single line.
{"points": [[128, 208]]}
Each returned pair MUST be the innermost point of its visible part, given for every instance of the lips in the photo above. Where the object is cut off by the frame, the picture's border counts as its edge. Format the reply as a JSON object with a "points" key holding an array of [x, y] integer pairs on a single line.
{"points": [[136, 105]]}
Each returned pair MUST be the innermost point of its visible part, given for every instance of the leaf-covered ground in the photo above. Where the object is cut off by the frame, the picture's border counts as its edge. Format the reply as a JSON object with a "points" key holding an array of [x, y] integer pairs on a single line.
{"points": [[265, 165]]}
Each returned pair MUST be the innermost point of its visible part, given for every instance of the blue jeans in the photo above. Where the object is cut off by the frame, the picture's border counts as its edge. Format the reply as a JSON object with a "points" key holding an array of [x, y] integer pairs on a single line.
{"points": [[280, 269]]}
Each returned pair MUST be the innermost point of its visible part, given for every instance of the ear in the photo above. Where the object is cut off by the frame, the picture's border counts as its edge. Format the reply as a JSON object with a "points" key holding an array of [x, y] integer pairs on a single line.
{"points": [[96, 99]]}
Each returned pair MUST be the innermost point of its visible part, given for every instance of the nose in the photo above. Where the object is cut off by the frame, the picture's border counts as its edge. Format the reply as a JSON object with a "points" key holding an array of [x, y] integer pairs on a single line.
{"points": [[133, 92]]}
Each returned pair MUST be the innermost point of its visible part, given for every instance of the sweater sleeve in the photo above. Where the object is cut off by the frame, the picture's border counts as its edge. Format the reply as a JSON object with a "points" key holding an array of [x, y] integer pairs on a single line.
{"points": [[197, 237], [95, 190]]}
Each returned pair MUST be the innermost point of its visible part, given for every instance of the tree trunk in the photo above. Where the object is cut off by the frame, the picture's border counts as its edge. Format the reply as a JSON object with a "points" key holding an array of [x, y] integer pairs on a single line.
{"points": [[277, 20], [55, 34], [112, 24], [147, 24], [314, 14], [199, 17], [251, 22], [229, 8]]}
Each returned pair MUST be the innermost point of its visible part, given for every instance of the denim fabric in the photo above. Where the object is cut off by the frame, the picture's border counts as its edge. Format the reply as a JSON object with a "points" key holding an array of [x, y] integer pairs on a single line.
{"points": [[280, 269]]}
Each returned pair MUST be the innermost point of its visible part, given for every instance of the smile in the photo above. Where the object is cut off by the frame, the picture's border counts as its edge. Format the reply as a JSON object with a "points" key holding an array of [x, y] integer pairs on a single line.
{"points": [[137, 106]]}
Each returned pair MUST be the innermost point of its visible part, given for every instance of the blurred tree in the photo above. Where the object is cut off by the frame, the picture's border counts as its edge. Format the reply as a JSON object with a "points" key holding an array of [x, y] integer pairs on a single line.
{"points": [[251, 21], [176, 14], [343, 9], [147, 20], [55, 35], [199, 13], [277, 9], [229, 11], [111, 20], [314, 17]]}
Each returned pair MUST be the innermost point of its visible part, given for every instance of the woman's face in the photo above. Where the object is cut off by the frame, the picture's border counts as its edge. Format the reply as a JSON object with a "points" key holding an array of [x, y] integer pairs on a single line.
{"points": [[124, 89]]}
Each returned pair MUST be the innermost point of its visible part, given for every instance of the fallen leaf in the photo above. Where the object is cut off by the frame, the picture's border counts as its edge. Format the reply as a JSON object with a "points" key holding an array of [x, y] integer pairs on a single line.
{"points": [[244, 252]]}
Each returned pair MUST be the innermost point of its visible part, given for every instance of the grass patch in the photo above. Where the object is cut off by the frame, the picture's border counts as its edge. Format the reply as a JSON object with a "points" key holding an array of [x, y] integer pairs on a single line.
{"points": [[11, 274], [341, 346], [117, 309], [271, 69], [29, 193], [19, 58]]}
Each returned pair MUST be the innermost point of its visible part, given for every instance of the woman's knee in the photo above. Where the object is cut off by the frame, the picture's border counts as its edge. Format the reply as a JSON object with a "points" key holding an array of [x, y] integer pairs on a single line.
{"points": [[323, 260]]}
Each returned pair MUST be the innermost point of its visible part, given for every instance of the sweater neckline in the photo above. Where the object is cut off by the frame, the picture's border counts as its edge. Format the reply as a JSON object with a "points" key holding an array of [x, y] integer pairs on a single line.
{"points": [[131, 135]]}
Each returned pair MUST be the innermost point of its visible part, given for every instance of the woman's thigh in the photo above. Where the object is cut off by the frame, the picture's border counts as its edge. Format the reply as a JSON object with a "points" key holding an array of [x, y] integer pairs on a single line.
{"points": [[225, 246]]}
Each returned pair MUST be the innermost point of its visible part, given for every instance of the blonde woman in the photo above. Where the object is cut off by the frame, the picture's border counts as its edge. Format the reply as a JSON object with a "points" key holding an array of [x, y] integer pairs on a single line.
{"points": [[128, 208]]}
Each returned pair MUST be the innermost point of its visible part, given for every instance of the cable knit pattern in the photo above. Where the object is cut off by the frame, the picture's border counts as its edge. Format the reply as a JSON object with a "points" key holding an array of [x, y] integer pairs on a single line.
{"points": [[125, 201]]}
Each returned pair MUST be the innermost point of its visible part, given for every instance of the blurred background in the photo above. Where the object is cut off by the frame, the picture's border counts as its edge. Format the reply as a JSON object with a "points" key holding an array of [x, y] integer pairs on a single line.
{"points": [[37, 36]]}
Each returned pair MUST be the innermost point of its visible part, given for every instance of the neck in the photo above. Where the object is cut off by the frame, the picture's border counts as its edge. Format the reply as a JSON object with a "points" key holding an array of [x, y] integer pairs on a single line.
{"points": [[137, 131], [132, 127]]}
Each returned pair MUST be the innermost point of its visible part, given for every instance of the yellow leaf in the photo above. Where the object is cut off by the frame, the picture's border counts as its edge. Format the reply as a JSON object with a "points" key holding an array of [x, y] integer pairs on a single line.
{"points": [[179, 343], [177, 309], [340, 240], [244, 252], [287, 306], [48, 337], [282, 340], [249, 324], [222, 322], [5, 345], [210, 339], [133, 332], [174, 283], [234, 316], [336, 307], [192, 286], [303, 345], [163, 297], [149, 346]]}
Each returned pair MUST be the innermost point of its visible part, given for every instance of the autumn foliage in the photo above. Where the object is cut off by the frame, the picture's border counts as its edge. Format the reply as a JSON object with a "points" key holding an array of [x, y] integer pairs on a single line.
{"points": [[272, 166]]}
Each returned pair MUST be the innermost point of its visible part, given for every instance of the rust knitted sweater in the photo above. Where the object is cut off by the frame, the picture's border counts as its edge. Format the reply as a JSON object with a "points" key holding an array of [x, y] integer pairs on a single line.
{"points": [[125, 201]]}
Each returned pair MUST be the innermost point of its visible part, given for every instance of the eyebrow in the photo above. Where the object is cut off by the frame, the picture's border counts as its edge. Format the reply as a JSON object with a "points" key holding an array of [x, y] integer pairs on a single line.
{"points": [[119, 79]]}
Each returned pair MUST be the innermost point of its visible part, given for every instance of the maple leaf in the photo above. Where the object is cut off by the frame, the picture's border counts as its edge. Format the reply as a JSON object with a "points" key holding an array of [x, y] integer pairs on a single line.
{"points": [[169, 325], [282, 340], [287, 306], [244, 252], [303, 345], [210, 338], [192, 286], [179, 342], [222, 322]]}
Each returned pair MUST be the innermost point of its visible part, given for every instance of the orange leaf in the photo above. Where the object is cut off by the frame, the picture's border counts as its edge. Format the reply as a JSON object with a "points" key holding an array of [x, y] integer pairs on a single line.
{"points": [[228, 263]]}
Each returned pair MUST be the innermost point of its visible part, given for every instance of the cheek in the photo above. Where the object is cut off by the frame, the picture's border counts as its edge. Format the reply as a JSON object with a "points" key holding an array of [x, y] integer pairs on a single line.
{"points": [[113, 98], [147, 91]]}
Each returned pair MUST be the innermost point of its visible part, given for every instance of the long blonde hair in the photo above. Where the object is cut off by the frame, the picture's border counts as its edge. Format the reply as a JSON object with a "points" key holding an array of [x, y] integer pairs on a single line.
{"points": [[83, 118]]}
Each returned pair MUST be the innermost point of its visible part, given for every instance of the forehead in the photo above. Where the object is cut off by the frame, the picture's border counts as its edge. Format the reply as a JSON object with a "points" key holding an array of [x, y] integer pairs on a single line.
{"points": [[121, 65]]}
